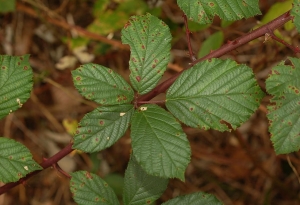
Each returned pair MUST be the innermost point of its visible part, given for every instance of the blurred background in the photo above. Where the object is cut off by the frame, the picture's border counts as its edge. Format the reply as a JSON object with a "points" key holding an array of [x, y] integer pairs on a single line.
{"points": [[238, 167]]}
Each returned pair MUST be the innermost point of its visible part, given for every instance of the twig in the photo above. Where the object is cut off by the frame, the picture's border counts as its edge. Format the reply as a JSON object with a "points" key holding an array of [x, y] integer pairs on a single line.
{"points": [[45, 164], [274, 37], [63, 24], [187, 33], [293, 168], [47, 113], [226, 48]]}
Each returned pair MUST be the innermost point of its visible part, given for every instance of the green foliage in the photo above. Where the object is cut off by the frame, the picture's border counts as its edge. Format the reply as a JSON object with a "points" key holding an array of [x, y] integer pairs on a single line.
{"points": [[141, 188], [296, 13], [7, 6], [149, 39], [213, 42], [159, 143], [283, 83], [111, 15], [88, 188], [203, 11], [102, 85], [15, 83], [102, 127], [195, 199], [213, 93], [15, 161]]}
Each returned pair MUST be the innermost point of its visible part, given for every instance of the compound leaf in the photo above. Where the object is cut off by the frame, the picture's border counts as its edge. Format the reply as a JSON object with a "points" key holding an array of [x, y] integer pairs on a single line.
{"points": [[296, 13], [102, 127], [195, 199], [149, 39], [102, 85], [159, 144], [15, 161], [140, 187], [283, 83], [213, 93], [88, 188], [15, 83], [203, 11]]}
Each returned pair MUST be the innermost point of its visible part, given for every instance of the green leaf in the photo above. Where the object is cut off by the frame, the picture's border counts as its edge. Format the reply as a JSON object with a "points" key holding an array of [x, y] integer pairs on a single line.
{"points": [[158, 142], [283, 83], [195, 199], [15, 83], [213, 42], [116, 182], [7, 6], [296, 13], [108, 20], [213, 93], [88, 188], [15, 161], [203, 11], [150, 42], [276, 10], [102, 127], [102, 85], [141, 188]]}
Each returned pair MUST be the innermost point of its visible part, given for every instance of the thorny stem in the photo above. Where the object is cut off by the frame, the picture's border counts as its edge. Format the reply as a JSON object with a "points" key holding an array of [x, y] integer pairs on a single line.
{"points": [[274, 37], [231, 45], [226, 48], [59, 169], [188, 32], [45, 164]]}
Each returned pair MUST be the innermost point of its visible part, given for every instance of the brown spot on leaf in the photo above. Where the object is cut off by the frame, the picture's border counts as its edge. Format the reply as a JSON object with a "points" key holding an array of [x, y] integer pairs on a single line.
{"points": [[138, 78], [88, 175]]}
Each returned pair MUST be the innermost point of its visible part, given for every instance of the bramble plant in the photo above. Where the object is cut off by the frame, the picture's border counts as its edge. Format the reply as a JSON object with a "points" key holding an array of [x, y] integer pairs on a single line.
{"points": [[212, 94]]}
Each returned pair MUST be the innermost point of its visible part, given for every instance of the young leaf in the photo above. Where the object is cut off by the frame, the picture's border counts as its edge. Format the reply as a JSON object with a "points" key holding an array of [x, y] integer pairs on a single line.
{"points": [[88, 188], [195, 199], [296, 13], [149, 39], [15, 161], [102, 85], [140, 187], [213, 42], [203, 11], [284, 85], [15, 83], [158, 142], [102, 127], [213, 93]]}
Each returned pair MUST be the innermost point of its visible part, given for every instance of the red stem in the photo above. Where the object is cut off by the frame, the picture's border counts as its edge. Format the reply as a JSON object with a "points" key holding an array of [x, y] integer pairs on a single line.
{"points": [[226, 48], [45, 164], [188, 32], [294, 49]]}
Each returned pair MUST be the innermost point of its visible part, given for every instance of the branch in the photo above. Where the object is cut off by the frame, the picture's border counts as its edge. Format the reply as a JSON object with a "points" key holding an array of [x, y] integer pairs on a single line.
{"points": [[63, 24], [45, 164], [188, 32], [226, 48]]}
